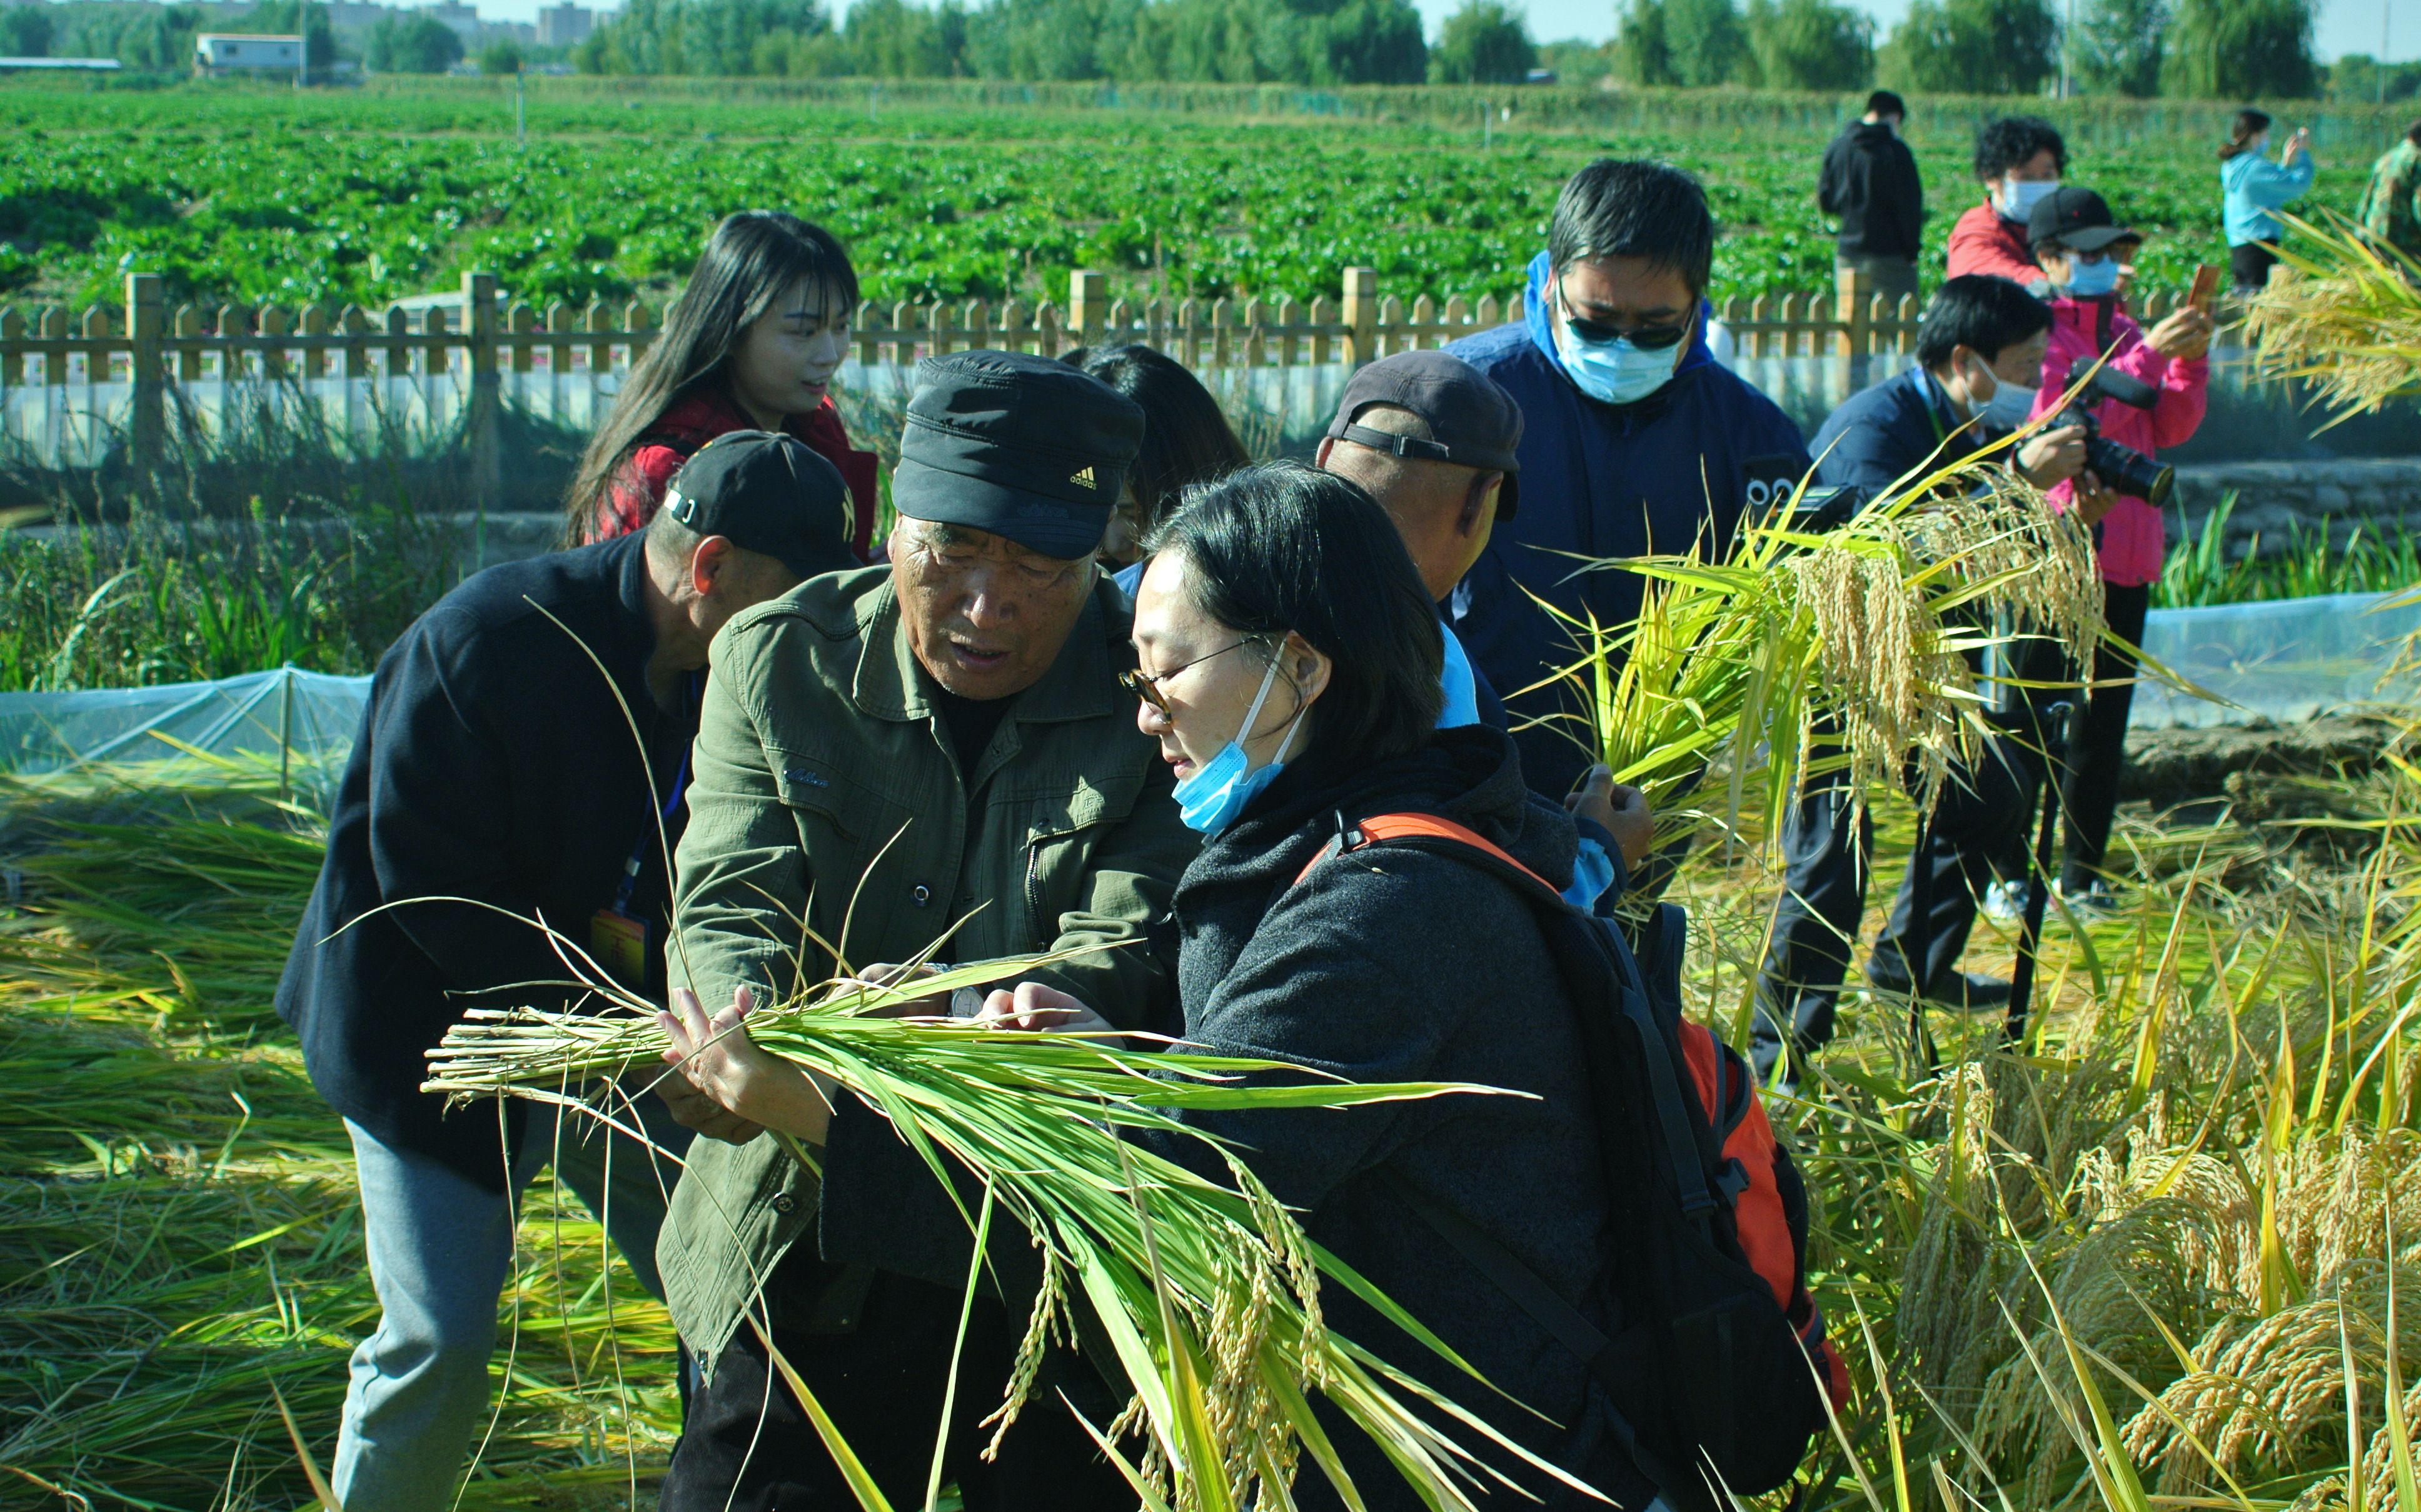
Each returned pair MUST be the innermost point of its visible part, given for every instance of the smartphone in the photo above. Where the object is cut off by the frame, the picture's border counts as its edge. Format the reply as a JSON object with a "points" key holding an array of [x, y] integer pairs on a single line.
{"points": [[2205, 285]]}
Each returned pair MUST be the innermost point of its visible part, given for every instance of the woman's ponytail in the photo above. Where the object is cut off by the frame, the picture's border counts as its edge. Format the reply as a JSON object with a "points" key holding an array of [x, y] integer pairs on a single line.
{"points": [[2249, 123]]}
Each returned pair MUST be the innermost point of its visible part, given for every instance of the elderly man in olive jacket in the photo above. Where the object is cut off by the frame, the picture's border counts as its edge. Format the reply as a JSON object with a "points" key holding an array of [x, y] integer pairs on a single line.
{"points": [[884, 755]]}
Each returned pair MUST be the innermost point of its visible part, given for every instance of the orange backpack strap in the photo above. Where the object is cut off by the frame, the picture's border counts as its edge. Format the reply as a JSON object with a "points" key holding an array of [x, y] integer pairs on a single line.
{"points": [[1381, 828]]}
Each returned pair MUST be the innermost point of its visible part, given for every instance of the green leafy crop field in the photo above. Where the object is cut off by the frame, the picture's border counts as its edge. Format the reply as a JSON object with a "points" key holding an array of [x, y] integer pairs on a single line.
{"points": [[256, 192]]}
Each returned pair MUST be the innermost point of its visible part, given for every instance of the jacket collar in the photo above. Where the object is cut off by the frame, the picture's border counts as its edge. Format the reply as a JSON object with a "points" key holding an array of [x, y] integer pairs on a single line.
{"points": [[1081, 683], [708, 410]]}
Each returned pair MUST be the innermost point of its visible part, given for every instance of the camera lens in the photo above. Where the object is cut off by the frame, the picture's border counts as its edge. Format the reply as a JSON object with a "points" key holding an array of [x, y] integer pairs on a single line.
{"points": [[2129, 471]]}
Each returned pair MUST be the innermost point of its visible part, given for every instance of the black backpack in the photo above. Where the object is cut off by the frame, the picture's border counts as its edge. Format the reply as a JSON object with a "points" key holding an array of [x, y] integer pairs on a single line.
{"points": [[1721, 1371]]}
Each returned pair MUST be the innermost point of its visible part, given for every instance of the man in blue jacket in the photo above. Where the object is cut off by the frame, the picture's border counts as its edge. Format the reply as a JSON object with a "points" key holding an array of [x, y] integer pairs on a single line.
{"points": [[1637, 440], [1979, 355]]}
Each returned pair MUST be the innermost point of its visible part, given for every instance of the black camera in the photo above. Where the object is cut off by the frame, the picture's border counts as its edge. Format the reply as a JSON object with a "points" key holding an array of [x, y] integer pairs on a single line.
{"points": [[2122, 468]]}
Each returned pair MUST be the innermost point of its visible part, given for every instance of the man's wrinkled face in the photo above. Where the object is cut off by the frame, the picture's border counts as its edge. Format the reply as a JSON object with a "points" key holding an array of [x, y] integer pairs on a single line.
{"points": [[985, 617]]}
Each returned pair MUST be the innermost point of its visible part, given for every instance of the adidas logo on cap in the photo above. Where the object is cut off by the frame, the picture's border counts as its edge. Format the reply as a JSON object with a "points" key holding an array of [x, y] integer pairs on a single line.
{"points": [[1083, 477]]}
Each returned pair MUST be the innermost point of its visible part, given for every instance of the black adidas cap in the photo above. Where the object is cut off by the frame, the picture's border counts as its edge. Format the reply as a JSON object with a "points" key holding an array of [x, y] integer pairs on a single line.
{"points": [[1017, 446], [768, 494]]}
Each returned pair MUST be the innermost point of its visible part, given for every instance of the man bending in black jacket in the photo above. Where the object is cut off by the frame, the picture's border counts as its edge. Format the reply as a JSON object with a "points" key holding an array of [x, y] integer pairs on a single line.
{"points": [[1870, 185], [497, 761]]}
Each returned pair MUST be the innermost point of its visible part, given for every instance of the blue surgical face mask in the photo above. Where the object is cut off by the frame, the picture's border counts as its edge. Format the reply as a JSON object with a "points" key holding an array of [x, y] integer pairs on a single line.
{"points": [[1615, 372], [2018, 196], [2092, 280], [2009, 405], [1210, 797]]}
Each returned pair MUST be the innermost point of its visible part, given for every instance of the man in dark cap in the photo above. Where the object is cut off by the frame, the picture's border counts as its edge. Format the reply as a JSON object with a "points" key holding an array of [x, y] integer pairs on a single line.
{"points": [[1435, 440], [887, 756], [496, 763]]}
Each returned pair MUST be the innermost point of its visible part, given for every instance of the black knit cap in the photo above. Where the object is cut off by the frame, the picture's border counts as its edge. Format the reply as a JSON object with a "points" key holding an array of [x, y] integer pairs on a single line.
{"points": [[770, 494], [1017, 446], [1472, 422]]}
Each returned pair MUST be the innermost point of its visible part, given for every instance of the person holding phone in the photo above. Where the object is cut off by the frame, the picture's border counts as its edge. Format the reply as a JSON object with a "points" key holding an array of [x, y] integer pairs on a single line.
{"points": [[2251, 187]]}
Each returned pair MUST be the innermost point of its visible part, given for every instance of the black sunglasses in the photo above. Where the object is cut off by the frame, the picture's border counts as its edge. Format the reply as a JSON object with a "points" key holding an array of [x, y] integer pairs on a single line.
{"points": [[1599, 333]]}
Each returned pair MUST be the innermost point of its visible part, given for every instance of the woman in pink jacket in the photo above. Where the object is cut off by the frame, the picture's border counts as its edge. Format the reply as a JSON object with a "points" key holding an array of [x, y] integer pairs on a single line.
{"points": [[2081, 249]]}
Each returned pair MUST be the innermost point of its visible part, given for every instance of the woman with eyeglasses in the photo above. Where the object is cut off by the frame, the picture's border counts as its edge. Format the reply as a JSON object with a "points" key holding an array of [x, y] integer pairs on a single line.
{"points": [[1288, 664]]}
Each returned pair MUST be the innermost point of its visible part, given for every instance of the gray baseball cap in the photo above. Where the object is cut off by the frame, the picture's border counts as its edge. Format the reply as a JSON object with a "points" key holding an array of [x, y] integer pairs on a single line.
{"points": [[1017, 446]]}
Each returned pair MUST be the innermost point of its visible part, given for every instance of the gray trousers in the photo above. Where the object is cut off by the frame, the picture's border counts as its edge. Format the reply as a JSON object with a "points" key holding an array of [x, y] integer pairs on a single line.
{"points": [[441, 1246]]}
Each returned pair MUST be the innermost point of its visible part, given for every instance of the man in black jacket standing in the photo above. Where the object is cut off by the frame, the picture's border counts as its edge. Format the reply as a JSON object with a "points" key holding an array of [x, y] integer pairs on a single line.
{"points": [[1978, 353], [1870, 185], [525, 741]]}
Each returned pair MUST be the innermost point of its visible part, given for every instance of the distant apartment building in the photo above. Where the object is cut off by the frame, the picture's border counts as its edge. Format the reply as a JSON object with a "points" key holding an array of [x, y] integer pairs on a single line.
{"points": [[458, 18], [217, 53], [564, 24], [355, 15]]}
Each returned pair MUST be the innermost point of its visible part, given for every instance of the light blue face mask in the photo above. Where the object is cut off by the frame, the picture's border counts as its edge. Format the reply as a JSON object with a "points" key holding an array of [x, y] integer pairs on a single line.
{"points": [[2018, 196], [1615, 372], [2092, 280], [1210, 797], [2009, 405]]}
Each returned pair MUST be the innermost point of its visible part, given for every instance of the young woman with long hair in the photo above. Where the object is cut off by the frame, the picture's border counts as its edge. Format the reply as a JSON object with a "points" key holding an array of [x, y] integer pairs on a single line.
{"points": [[752, 344]]}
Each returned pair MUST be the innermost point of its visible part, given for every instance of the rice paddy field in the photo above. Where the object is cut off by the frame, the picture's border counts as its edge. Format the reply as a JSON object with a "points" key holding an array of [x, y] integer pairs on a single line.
{"points": [[2147, 1258]]}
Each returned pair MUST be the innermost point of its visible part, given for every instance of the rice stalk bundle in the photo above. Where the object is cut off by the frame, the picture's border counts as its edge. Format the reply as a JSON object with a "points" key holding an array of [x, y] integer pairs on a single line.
{"points": [[1854, 647], [2348, 321], [1211, 1292]]}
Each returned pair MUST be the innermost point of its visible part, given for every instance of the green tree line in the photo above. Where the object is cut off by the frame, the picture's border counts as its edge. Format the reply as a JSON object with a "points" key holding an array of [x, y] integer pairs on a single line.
{"points": [[2187, 49], [153, 38], [2193, 49]]}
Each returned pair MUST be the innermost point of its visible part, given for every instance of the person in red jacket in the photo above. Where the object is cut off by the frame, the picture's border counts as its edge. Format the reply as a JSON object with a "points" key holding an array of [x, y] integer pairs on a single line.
{"points": [[2080, 247], [2018, 159], [752, 344]]}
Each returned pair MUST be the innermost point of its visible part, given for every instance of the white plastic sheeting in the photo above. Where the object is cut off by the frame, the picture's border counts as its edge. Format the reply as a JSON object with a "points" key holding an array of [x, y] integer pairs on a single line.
{"points": [[2286, 659], [290, 721]]}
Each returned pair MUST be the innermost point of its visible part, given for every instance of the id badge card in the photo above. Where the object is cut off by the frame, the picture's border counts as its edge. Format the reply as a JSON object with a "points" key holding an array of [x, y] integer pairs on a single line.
{"points": [[619, 942]]}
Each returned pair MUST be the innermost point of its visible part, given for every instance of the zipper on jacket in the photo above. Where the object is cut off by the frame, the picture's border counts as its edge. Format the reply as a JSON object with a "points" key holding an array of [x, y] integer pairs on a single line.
{"points": [[1034, 880]]}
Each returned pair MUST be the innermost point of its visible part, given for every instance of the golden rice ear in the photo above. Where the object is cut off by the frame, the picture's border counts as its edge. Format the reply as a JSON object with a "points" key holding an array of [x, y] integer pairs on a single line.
{"points": [[2342, 313]]}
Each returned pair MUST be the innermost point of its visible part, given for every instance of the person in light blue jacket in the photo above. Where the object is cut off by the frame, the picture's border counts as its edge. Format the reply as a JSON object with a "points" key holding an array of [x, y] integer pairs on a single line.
{"points": [[2252, 186]]}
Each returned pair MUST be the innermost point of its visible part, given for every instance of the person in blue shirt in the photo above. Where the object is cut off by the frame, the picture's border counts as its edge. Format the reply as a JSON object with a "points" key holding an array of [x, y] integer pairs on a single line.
{"points": [[1437, 445], [1636, 441], [1979, 352], [2250, 186]]}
